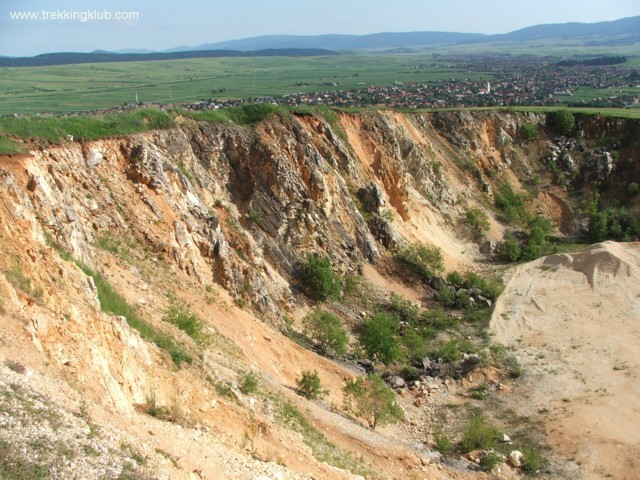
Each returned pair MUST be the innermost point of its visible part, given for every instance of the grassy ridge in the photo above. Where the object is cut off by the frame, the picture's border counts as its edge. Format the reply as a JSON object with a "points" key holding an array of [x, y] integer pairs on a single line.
{"points": [[93, 127], [55, 129]]}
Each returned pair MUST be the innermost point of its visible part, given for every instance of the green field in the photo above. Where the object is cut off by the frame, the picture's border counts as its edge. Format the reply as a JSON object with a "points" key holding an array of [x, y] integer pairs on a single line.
{"points": [[71, 88]]}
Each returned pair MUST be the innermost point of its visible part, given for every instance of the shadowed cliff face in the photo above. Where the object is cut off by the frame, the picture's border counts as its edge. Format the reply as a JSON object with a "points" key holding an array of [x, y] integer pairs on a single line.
{"points": [[216, 207]]}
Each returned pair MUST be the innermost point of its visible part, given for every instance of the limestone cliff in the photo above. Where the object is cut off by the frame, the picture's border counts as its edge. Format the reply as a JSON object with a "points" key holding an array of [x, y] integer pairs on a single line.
{"points": [[222, 216]]}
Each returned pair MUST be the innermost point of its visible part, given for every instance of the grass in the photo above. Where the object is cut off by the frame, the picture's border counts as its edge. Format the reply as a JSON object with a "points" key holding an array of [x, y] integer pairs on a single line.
{"points": [[88, 127], [249, 383], [21, 282], [179, 314], [8, 146], [478, 434], [114, 303], [321, 448], [16, 466]]}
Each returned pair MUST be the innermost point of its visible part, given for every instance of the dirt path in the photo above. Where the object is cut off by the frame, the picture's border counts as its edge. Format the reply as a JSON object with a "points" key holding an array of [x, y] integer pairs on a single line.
{"points": [[574, 322]]}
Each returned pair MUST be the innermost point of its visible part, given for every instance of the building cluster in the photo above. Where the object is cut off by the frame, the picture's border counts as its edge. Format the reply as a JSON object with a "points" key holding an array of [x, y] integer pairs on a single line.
{"points": [[492, 81]]}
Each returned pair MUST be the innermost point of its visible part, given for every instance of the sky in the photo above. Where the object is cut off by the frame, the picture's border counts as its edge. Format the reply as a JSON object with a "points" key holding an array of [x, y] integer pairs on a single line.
{"points": [[159, 25]]}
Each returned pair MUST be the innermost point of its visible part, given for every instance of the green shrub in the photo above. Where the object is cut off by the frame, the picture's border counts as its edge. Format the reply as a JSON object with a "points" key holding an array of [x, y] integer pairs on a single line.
{"points": [[414, 344], [327, 332], [529, 132], [452, 350], [513, 367], [633, 188], [255, 216], [534, 460], [561, 122], [613, 222], [511, 249], [490, 289], [251, 113], [510, 203], [478, 220], [490, 460], [370, 398], [378, 337], [455, 278], [438, 319], [446, 295], [248, 383], [309, 385], [179, 314], [423, 260], [478, 434], [319, 279], [442, 443]]}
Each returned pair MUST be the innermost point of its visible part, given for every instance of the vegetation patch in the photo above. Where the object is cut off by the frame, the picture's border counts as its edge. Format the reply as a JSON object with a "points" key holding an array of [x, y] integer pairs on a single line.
{"points": [[114, 303], [478, 434], [424, 260], [370, 399], [319, 279], [326, 331], [248, 383], [23, 283], [85, 127], [309, 385], [510, 204], [179, 314], [321, 448], [478, 221], [9, 146]]}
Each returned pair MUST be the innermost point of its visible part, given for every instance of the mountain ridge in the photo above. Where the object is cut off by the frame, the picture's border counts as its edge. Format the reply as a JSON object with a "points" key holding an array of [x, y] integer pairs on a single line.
{"points": [[629, 26]]}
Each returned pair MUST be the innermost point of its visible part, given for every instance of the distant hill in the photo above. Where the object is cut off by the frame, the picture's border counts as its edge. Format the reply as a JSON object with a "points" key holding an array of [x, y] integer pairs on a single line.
{"points": [[623, 31], [69, 58], [617, 29], [342, 42]]}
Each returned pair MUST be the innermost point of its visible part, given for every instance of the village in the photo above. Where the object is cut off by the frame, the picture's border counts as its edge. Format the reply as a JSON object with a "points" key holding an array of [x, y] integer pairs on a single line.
{"points": [[495, 81]]}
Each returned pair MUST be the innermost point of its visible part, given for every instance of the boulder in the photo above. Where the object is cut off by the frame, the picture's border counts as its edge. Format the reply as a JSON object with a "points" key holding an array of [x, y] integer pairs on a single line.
{"points": [[437, 283], [489, 247], [372, 197], [366, 364], [515, 459], [396, 382]]}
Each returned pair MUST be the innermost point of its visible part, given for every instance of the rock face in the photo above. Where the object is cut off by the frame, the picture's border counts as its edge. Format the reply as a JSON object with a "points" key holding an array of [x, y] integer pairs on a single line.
{"points": [[231, 210]]}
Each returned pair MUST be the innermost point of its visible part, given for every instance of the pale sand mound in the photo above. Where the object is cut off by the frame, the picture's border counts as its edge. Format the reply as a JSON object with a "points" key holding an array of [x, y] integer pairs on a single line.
{"points": [[573, 320]]}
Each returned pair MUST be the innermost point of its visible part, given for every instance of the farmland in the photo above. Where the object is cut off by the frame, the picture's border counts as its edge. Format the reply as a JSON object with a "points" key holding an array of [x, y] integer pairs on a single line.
{"points": [[412, 80], [71, 88]]}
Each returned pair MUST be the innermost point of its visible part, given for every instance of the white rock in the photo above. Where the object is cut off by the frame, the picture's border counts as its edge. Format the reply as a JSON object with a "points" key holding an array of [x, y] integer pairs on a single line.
{"points": [[515, 459]]}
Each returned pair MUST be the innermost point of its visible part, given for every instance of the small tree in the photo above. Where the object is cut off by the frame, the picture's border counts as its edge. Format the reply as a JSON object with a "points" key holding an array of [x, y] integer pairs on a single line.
{"points": [[309, 385], [370, 398], [478, 220], [326, 330], [378, 337], [562, 122], [529, 131], [319, 279]]}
